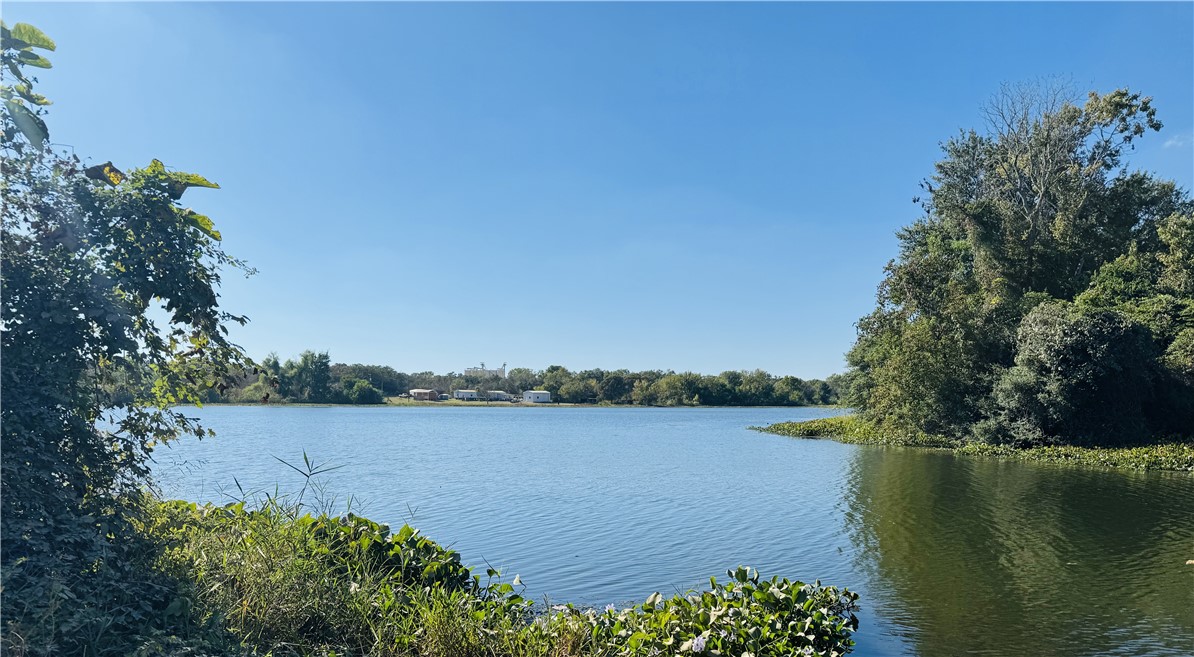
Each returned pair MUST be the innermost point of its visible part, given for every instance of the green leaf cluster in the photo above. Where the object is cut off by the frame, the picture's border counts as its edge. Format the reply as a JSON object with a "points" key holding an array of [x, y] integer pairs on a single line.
{"points": [[21, 106], [744, 616]]}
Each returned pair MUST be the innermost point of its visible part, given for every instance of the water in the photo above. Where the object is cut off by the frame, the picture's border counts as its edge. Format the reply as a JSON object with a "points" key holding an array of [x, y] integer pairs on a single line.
{"points": [[952, 555]]}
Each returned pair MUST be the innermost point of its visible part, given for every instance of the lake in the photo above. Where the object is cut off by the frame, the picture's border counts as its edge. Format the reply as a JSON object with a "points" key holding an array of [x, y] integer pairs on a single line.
{"points": [[951, 555]]}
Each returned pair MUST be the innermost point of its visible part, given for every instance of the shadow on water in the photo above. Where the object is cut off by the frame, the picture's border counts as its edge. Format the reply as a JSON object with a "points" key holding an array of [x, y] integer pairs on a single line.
{"points": [[975, 556]]}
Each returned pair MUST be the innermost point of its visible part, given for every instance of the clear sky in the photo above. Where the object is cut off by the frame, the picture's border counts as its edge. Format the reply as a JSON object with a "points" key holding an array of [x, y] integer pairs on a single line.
{"points": [[678, 186]]}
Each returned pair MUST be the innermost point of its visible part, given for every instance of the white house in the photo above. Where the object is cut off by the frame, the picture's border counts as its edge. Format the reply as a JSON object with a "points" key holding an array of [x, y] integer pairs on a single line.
{"points": [[467, 395], [423, 394], [499, 395], [536, 396]]}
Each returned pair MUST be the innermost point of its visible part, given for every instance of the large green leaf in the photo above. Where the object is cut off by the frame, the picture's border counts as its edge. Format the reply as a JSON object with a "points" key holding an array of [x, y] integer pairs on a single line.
{"points": [[28, 122], [32, 36], [202, 222], [33, 59], [27, 94], [182, 181], [16, 71], [195, 180]]}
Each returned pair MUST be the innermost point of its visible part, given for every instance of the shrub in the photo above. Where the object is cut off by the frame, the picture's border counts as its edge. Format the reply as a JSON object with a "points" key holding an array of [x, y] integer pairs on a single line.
{"points": [[1080, 377]]}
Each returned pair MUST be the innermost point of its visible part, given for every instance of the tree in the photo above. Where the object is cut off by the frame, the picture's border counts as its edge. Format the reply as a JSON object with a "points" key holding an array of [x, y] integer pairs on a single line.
{"points": [[106, 277], [1041, 209], [615, 387], [521, 378], [1079, 378], [359, 391], [554, 378], [386, 379], [309, 379], [578, 391]]}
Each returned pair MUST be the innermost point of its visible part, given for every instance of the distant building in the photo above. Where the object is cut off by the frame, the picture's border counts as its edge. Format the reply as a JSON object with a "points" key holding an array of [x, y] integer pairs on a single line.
{"points": [[536, 396], [467, 395], [422, 394], [482, 373], [499, 395]]}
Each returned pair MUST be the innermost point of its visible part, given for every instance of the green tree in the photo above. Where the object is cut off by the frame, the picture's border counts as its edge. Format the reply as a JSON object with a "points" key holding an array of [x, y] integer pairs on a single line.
{"points": [[386, 379], [360, 391], [1079, 378], [308, 379], [554, 378], [106, 277], [615, 387], [521, 378], [578, 391], [1041, 208]]}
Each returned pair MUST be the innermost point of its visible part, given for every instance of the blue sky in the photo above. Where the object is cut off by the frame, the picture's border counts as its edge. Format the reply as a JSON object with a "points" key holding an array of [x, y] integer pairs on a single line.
{"points": [[678, 186]]}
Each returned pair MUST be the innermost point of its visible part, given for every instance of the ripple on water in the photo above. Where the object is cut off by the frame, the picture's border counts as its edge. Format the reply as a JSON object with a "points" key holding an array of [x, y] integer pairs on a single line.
{"points": [[953, 556]]}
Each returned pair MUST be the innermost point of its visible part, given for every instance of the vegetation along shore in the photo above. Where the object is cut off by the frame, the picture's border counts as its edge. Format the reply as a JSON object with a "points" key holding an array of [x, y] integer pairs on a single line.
{"points": [[1177, 454]]}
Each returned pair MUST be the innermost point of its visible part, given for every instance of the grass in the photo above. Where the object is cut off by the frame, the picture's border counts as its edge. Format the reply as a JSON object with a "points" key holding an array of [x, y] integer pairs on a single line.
{"points": [[1173, 455], [275, 580]]}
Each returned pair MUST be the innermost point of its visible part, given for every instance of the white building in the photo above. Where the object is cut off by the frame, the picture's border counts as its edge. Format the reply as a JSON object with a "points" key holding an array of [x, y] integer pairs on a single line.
{"points": [[499, 395], [483, 373], [467, 395], [536, 396]]}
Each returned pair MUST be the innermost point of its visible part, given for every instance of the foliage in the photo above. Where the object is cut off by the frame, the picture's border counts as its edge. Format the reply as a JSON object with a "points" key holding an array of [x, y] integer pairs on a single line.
{"points": [[106, 278], [292, 381], [1079, 378], [973, 338], [359, 391], [746, 616], [1174, 454], [281, 580], [287, 582], [857, 430]]}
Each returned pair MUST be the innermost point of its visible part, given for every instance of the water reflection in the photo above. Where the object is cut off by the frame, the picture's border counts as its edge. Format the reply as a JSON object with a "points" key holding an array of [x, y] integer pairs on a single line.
{"points": [[976, 556]]}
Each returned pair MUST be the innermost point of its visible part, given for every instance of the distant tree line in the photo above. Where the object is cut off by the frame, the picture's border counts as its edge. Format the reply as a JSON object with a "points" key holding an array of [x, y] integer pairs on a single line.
{"points": [[313, 378]]}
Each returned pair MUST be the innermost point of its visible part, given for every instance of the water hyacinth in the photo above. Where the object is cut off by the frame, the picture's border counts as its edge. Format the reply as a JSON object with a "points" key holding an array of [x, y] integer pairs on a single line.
{"points": [[744, 616], [348, 585]]}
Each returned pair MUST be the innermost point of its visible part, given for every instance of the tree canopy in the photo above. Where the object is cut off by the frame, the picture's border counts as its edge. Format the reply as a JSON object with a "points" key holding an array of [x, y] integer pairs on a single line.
{"points": [[1045, 296], [312, 378]]}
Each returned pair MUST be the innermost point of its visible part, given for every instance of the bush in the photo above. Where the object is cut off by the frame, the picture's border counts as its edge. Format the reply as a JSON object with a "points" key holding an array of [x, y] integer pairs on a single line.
{"points": [[1080, 377], [359, 391]]}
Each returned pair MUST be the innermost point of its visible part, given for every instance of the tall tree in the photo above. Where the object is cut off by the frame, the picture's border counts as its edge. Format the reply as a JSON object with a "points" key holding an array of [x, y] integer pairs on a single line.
{"points": [[1033, 211], [106, 277]]}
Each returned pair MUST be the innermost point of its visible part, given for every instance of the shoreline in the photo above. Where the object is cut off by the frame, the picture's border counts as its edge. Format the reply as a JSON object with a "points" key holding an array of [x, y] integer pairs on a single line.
{"points": [[1172, 455], [456, 403]]}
